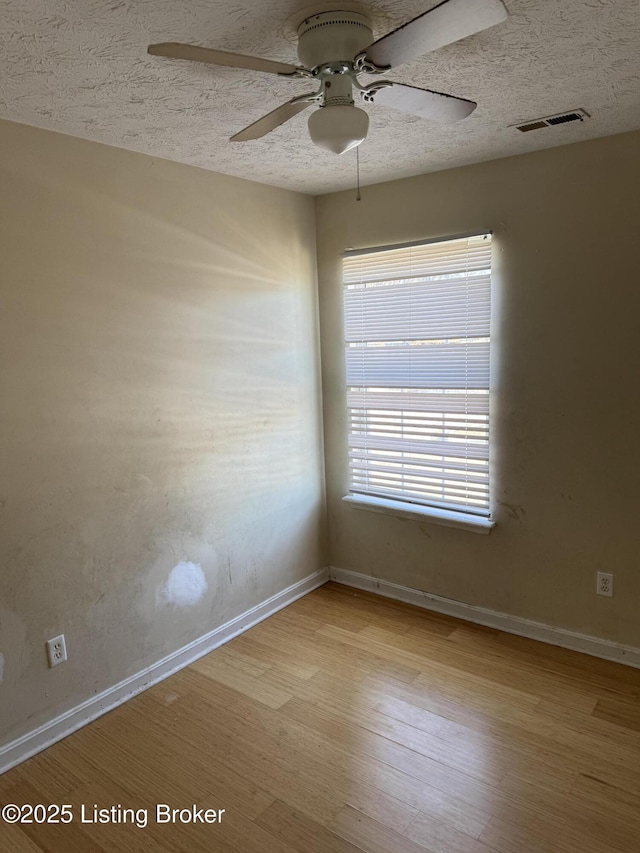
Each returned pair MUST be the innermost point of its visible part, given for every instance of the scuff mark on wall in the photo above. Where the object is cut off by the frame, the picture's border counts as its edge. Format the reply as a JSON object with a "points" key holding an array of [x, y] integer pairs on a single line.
{"points": [[514, 510], [184, 587]]}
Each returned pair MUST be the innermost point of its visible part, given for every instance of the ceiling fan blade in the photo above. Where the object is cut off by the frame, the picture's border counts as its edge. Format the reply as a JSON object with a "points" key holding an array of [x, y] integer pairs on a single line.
{"points": [[446, 23], [274, 119], [174, 50], [423, 102]]}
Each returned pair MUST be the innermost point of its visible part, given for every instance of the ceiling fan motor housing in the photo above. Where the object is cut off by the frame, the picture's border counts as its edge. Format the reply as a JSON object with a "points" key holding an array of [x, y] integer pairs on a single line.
{"points": [[332, 37]]}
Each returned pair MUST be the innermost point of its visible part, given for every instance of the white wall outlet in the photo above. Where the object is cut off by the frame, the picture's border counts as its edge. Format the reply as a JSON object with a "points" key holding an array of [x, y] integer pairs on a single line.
{"points": [[56, 650], [605, 583]]}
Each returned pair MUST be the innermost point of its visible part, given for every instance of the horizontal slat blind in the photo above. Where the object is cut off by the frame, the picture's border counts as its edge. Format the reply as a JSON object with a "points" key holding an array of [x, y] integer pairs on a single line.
{"points": [[417, 359]]}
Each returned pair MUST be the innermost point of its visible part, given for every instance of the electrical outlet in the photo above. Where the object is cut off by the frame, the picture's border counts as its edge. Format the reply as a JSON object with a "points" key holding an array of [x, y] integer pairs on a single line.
{"points": [[56, 650], [605, 584]]}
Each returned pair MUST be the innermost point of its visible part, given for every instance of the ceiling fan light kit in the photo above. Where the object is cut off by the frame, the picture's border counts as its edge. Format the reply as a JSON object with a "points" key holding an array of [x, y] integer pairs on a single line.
{"points": [[338, 127], [335, 48]]}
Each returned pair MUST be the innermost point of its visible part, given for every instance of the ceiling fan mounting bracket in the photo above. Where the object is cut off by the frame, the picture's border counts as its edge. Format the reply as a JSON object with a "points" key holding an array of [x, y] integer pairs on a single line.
{"points": [[369, 93], [297, 74], [363, 65], [309, 98]]}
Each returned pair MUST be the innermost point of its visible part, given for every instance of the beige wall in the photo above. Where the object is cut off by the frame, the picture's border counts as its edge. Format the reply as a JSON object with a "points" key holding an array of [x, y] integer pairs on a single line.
{"points": [[565, 399], [159, 383]]}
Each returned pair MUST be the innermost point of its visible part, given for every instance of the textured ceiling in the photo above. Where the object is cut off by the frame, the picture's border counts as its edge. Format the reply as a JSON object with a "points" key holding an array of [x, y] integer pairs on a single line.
{"points": [[80, 67]]}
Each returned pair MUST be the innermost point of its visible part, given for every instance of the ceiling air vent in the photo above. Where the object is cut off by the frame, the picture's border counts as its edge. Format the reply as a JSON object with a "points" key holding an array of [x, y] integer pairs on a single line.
{"points": [[550, 121]]}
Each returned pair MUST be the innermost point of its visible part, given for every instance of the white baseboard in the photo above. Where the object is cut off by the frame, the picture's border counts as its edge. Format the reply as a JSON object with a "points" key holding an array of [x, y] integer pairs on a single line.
{"points": [[595, 646], [35, 741]]}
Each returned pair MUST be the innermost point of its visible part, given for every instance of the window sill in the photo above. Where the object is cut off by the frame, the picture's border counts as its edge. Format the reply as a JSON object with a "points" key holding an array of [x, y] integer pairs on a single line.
{"points": [[443, 517]]}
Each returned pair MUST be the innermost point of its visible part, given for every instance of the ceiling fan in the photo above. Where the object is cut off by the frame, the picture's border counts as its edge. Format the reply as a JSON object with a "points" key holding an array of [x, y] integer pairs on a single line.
{"points": [[335, 48]]}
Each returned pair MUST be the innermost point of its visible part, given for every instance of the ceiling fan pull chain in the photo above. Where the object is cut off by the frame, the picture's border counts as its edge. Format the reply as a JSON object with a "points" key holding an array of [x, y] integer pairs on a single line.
{"points": [[358, 196]]}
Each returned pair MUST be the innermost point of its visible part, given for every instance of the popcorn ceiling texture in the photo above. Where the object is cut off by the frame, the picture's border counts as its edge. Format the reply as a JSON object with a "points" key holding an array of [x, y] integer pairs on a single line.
{"points": [[80, 67]]}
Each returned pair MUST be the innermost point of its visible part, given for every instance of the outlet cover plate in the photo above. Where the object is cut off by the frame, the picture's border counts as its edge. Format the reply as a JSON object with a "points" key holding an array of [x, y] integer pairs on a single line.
{"points": [[56, 650], [605, 584]]}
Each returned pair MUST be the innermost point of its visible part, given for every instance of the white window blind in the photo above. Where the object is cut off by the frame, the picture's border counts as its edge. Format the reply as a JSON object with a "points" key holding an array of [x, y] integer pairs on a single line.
{"points": [[417, 358]]}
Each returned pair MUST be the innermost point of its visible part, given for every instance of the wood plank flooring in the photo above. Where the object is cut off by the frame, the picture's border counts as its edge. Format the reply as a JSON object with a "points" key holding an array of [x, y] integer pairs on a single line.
{"points": [[348, 723]]}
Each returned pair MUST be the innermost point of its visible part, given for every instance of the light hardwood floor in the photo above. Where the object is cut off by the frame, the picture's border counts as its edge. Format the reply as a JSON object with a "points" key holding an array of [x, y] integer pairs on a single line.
{"points": [[347, 723]]}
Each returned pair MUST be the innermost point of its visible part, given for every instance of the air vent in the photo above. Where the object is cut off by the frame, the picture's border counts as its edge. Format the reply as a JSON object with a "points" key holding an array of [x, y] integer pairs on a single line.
{"points": [[565, 118], [534, 125], [550, 121]]}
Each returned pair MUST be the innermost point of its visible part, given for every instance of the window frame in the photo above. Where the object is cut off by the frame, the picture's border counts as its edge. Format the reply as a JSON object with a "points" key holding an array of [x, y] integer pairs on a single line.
{"points": [[477, 522]]}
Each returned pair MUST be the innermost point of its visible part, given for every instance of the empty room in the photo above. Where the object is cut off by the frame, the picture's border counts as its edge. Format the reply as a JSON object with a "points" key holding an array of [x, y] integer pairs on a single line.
{"points": [[319, 408]]}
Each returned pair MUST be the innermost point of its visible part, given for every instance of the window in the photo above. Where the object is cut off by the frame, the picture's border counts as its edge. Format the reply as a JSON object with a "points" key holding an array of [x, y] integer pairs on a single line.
{"points": [[417, 335]]}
